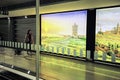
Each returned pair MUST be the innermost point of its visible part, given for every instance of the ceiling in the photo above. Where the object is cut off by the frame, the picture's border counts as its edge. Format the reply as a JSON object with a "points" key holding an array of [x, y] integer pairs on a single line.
{"points": [[17, 4], [13, 2]]}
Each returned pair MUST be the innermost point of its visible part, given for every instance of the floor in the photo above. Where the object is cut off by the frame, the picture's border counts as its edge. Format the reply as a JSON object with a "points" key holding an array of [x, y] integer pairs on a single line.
{"points": [[6, 75], [57, 68]]}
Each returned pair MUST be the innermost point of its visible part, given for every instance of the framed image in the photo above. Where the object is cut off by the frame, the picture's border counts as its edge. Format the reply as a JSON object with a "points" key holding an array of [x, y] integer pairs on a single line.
{"points": [[108, 33], [64, 32]]}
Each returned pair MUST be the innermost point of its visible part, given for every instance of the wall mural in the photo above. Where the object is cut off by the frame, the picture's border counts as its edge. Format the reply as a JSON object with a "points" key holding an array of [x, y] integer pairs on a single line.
{"points": [[66, 32]]}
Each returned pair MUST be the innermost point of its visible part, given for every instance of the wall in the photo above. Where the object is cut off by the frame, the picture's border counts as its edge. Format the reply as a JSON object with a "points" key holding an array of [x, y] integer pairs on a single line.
{"points": [[4, 28], [22, 25]]}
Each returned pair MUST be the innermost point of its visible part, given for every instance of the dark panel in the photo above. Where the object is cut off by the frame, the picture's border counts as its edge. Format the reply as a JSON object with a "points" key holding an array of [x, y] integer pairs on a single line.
{"points": [[22, 25], [13, 2], [21, 6], [91, 19], [46, 2], [4, 28], [33, 3]]}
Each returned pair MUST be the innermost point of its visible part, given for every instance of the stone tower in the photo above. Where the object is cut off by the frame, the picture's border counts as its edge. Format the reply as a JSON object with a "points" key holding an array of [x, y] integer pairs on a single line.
{"points": [[75, 30], [118, 29]]}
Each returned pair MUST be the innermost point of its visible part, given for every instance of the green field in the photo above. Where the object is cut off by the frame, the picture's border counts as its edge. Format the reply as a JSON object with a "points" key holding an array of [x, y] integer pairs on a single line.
{"points": [[109, 44], [74, 45]]}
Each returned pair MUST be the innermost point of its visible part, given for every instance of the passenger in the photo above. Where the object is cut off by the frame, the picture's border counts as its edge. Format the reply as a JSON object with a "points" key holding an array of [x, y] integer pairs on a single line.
{"points": [[29, 40]]}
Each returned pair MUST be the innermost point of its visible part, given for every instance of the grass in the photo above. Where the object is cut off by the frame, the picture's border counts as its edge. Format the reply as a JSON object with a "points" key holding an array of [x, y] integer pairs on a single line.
{"points": [[107, 40], [74, 44]]}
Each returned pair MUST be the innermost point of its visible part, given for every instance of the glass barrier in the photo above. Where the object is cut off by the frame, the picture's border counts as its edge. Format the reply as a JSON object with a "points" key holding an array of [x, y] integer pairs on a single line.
{"points": [[109, 56], [23, 56], [63, 50], [24, 48], [68, 51], [18, 54], [2, 51], [88, 54]]}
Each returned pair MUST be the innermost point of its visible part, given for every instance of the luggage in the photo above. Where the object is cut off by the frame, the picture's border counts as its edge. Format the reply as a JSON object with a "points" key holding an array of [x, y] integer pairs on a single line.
{"points": [[18, 51]]}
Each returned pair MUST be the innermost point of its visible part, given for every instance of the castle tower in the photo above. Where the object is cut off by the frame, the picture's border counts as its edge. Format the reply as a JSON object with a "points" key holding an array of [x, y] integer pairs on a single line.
{"points": [[75, 30], [118, 28], [100, 29]]}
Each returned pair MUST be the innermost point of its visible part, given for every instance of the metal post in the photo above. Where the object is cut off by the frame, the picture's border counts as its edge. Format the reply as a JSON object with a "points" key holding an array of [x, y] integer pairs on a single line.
{"points": [[9, 30], [37, 39]]}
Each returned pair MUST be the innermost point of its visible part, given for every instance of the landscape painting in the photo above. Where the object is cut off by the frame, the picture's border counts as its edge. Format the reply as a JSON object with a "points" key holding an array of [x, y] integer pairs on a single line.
{"points": [[64, 33], [108, 32]]}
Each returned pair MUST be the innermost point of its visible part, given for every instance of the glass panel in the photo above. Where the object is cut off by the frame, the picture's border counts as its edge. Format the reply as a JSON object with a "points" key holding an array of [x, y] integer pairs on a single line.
{"points": [[74, 51], [63, 50], [113, 59], [5, 43], [10, 44], [88, 54], [47, 48], [15, 44], [57, 49], [104, 57], [81, 53], [9, 53], [25, 46], [22, 46], [42, 47], [18, 44], [52, 49], [71, 52], [2, 51], [18, 57], [95, 55], [68, 51], [32, 47]]}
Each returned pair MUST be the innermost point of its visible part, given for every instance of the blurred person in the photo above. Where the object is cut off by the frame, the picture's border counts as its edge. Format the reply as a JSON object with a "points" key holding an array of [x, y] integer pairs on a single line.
{"points": [[29, 40]]}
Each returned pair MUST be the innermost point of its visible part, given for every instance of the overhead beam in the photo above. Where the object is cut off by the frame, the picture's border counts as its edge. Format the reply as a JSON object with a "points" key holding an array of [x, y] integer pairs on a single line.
{"points": [[32, 4]]}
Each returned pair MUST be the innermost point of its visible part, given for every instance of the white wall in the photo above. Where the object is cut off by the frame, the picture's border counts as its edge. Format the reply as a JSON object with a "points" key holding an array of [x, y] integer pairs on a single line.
{"points": [[75, 5]]}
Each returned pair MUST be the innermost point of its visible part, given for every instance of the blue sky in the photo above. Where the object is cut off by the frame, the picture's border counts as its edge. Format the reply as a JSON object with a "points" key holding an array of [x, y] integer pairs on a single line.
{"points": [[107, 18], [65, 21]]}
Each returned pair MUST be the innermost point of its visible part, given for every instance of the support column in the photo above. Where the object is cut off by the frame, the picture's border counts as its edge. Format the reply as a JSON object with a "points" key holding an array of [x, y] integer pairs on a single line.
{"points": [[9, 29], [91, 19], [37, 39]]}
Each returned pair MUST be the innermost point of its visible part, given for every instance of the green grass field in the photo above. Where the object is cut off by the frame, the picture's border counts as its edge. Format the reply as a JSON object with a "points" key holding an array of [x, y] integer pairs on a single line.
{"points": [[108, 43], [70, 45]]}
